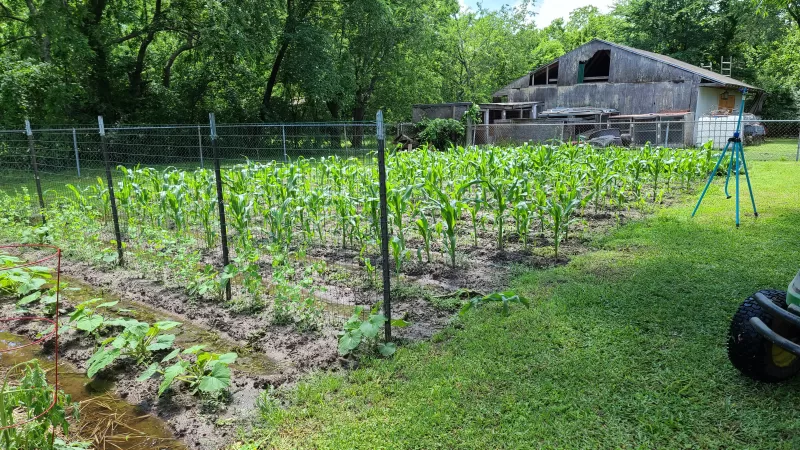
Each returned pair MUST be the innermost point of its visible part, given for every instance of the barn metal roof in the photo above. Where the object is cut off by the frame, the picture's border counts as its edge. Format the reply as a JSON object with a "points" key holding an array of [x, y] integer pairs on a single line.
{"points": [[705, 73]]}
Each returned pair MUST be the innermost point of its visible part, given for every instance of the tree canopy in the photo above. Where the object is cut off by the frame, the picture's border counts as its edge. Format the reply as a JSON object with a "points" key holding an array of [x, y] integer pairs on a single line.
{"points": [[319, 60]]}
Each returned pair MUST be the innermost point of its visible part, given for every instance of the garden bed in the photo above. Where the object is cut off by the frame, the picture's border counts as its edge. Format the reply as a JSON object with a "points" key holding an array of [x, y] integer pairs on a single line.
{"points": [[304, 253]]}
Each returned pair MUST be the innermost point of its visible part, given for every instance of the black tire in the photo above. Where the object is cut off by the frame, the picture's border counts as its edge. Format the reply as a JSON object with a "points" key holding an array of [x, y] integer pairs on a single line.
{"points": [[755, 356]]}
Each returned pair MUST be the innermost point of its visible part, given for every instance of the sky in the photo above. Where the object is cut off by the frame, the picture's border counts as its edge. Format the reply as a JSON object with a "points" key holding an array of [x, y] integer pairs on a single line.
{"points": [[546, 10]]}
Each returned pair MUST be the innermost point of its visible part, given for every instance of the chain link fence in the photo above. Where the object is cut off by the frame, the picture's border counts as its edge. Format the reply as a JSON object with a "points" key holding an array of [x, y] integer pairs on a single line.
{"points": [[167, 211], [764, 139]]}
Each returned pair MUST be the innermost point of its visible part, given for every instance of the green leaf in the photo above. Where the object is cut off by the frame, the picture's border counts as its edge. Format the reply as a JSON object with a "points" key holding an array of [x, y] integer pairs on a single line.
{"points": [[149, 372], [387, 349], [399, 323], [349, 341], [369, 329], [29, 298], [100, 360], [170, 373], [162, 342], [106, 305], [167, 325], [217, 380], [171, 355], [89, 323], [194, 349], [125, 323], [228, 358]]}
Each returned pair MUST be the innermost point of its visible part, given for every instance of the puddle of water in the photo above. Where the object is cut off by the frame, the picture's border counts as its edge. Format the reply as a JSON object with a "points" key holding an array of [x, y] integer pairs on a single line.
{"points": [[187, 335], [106, 418]]}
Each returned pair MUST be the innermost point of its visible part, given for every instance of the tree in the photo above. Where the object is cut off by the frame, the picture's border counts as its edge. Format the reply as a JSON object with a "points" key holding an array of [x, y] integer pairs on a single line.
{"points": [[792, 7]]}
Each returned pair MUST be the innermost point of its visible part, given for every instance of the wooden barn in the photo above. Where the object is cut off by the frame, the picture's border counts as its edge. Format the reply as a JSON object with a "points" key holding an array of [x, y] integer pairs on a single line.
{"points": [[621, 80]]}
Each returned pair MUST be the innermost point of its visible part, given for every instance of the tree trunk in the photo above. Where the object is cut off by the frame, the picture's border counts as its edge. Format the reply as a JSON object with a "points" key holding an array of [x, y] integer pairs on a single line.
{"points": [[41, 33], [135, 77], [273, 79], [166, 78], [98, 72]]}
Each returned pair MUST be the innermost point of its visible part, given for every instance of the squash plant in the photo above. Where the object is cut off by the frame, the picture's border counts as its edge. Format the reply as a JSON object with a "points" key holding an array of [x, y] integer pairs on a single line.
{"points": [[506, 298], [137, 340], [364, 334], [206, 373]]}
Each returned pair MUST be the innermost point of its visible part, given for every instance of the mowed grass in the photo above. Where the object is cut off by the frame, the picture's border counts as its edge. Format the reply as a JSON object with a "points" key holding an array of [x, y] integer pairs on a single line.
{"points": [[625, 347], [774, 149]]}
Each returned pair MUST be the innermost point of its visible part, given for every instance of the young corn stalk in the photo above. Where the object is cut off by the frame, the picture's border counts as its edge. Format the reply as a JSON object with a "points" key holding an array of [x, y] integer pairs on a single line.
{"points": [[560, 219], [503, 193]]}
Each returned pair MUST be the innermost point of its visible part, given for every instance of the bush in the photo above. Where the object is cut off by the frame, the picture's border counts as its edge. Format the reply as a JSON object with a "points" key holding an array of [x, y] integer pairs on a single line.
{"points": [[441, 133]]}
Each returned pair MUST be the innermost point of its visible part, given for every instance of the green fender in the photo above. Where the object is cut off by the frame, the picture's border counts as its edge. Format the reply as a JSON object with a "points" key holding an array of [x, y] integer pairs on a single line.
{"points": [[793, 293]]}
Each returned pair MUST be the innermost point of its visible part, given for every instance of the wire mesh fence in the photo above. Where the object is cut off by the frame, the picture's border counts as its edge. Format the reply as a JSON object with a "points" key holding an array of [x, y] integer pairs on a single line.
{"points": [[765, 139], [291, 192]]}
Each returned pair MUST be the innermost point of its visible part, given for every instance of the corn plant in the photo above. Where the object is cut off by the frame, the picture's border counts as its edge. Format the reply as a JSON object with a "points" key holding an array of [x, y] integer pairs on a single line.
{"points": [[450, 210], [503, 193], [425, 231], [560, 215]]}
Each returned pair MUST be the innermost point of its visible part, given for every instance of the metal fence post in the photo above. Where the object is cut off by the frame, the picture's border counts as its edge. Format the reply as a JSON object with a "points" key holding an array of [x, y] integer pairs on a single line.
{"points": [[387, 292], [469, 136], [283, 133], [75, 146], [223, 230], [35, 166], [200, 145], [798, 147], [110, 182]]}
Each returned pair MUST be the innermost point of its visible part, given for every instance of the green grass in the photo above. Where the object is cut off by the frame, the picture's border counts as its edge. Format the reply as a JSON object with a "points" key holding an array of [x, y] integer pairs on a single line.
{"points": [[774, 149], [625, 347]]}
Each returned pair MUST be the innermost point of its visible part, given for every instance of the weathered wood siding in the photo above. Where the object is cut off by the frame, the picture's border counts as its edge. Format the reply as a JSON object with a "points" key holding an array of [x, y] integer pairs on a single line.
{"points": [[637, 84]]}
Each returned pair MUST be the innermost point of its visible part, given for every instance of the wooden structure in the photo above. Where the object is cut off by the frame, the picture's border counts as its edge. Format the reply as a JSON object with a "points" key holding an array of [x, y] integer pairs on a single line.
{"points": [[603, 74]]}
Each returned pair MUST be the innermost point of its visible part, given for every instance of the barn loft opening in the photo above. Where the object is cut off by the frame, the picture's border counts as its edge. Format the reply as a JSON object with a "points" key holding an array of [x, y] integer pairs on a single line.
{"points": [[545, 75], [596, 68]]}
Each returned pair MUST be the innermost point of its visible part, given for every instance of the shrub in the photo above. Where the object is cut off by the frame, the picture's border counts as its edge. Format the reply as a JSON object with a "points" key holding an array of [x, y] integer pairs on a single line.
{"points": [[441, 133]]}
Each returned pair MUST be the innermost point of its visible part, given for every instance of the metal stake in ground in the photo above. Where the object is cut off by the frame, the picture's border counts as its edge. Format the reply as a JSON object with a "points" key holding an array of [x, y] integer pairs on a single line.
{"points": [[75, 147], [110, 184], [223, 230], [387, 292], [32, 148]]}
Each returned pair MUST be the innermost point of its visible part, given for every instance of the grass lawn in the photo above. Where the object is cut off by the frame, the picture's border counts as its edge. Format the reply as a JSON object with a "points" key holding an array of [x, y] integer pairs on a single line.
{"points": [[625, 347], [774, 149]]}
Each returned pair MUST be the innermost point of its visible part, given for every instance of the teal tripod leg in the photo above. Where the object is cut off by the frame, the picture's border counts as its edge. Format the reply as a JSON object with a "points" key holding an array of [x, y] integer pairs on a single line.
{"points": [[730, 168], [737, 148], [749, 185], [710, 179]]}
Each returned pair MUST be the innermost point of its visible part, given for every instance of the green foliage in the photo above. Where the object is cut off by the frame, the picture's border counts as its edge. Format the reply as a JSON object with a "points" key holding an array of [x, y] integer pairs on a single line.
{"points": [[364, 335], [203, 372], [441, 133], [507, 298], [28, 397], [22, 282], [138, 340]]}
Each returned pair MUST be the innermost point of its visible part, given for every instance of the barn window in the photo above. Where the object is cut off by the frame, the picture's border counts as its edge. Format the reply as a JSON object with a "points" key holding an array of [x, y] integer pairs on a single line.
{"points": [[596, 68], [540, 78], [546, 75], [552, 74]]}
